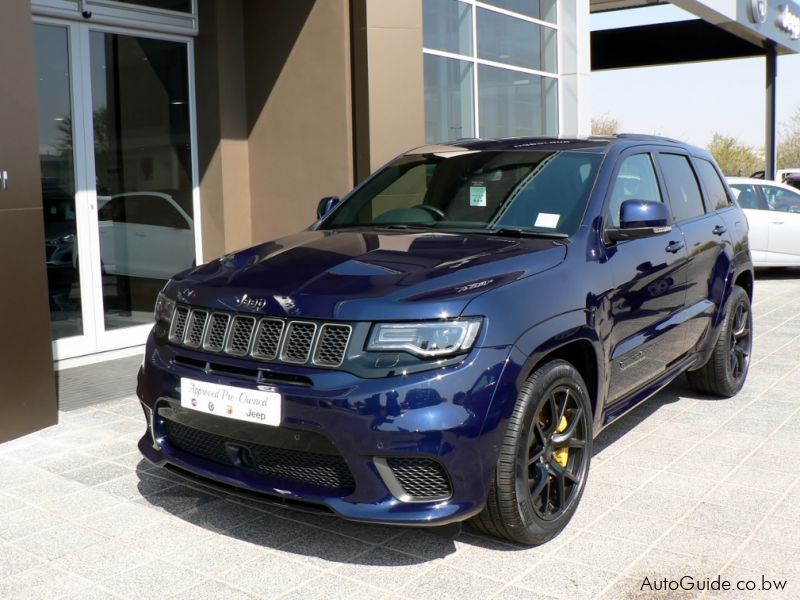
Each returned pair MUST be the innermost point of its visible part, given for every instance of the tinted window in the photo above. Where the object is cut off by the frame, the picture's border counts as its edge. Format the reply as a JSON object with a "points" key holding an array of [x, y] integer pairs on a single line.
{"points": [[748, 197], [717, 198], [636, 180], [684, 193], [781, 199]]}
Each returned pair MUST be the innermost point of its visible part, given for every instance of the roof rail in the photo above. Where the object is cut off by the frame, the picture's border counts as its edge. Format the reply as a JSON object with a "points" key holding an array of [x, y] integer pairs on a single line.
{"points": [[647, 136]]}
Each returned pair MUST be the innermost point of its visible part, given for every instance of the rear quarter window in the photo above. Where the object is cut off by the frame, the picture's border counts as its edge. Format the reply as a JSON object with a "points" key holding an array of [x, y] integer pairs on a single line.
{"points": [[715, 189]]}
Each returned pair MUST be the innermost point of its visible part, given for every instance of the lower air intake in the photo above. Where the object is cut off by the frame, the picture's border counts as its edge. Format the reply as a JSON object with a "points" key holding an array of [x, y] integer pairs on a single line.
{"points": [[421, 479]]}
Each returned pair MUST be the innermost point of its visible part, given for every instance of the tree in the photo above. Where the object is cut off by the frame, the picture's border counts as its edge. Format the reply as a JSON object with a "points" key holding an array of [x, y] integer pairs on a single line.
{"points": [[734, 157], [789, 142], [604, 125]]}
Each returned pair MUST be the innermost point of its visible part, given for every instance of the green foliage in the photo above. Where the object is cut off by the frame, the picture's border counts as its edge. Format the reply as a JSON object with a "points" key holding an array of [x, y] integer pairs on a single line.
{"points": [[735, 158]]}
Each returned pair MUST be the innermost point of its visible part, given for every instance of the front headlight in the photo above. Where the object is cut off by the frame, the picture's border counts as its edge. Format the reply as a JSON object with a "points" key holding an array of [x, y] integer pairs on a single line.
{"points": [[164, 309], [427, 339]]}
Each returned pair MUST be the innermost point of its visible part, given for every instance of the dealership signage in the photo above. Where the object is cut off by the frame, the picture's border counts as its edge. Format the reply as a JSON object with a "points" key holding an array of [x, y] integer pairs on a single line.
{"points": [[758, 11], [789, 21]]}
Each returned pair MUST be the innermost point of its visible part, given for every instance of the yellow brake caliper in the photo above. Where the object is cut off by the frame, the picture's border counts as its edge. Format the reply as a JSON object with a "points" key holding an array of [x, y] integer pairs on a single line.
{"points": [[561, 455]]}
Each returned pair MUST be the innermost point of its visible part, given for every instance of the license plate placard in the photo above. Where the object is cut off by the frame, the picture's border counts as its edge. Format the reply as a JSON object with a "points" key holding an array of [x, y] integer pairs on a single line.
{"points": [[231, 402]]}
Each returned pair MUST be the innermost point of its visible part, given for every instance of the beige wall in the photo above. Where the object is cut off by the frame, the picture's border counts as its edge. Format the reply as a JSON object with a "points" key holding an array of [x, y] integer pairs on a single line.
{"points": [[28, 400], [296, 101], [222, 128], [389, 48], [297, 57]]}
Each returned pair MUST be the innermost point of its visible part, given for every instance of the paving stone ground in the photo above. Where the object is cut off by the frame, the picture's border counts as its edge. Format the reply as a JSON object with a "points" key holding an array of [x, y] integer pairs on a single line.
{"points": [[683, 486]]}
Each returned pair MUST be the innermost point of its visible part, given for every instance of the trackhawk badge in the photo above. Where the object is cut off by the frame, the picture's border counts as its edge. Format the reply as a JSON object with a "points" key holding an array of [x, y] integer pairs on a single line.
{"points": [[249, 302]]}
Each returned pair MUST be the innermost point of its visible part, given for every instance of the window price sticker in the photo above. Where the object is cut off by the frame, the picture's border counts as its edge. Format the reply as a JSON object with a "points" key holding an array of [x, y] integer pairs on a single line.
{"points": [[477, 195]]}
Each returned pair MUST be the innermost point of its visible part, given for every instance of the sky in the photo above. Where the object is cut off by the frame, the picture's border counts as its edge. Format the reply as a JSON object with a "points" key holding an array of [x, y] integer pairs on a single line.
{"points": [[690, 101]]}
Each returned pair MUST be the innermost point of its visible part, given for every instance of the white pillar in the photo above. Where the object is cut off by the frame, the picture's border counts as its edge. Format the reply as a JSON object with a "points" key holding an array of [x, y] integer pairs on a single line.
{"points": [[575, 68]]}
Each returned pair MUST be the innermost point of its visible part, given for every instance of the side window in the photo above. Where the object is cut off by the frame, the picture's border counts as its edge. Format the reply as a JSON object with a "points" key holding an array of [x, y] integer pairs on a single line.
{"points": [[684, 194], [636, 180], [717, 198], [748, 197], [782, 200]]}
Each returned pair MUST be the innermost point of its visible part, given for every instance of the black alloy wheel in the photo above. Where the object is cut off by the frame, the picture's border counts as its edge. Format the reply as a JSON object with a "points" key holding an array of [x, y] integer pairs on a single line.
{"points": [[726, 370], [544, 460], [556, 453]]}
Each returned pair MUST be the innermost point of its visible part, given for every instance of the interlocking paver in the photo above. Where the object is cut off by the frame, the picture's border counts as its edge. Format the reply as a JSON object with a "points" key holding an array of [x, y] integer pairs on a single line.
{"points": [[683, 485]]}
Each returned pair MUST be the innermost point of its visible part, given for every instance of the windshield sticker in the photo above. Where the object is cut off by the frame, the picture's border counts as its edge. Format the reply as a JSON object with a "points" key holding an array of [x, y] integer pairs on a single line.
{"points": [[548, 220], [477, 195]]}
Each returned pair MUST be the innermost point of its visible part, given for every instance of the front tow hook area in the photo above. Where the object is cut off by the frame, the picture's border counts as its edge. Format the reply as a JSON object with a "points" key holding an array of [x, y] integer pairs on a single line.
{"points": [[240, 456]]}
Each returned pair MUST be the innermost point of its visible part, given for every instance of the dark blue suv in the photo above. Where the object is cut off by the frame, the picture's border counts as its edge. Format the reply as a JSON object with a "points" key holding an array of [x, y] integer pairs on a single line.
{"points": [[445, 342]]}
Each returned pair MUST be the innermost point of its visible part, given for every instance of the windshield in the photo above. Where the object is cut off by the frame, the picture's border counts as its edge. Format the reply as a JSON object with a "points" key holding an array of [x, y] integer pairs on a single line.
{"points": [[537, 192]]}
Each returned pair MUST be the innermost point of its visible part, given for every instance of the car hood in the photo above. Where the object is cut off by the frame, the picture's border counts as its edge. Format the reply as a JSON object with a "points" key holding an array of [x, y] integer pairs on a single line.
{"points": [[365, 274]]}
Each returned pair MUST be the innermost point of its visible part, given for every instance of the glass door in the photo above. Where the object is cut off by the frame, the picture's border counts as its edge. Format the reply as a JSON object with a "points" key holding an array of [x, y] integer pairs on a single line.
{"points": [[118, 179]]}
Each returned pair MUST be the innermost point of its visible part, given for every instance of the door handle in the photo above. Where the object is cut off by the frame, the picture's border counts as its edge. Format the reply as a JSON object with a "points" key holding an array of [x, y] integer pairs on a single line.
{"points": [[140, 235], [719, 230], [674, 246], [777, 222]]}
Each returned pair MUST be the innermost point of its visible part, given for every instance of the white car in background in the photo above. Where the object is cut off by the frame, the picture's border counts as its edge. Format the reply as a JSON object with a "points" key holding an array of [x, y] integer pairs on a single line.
{"points": [[773, 212], [144, 234]]}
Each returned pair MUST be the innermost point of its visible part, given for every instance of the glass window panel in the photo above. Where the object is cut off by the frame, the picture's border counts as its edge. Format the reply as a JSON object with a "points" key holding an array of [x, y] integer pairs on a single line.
{"points": [[56, 155], [178, 5], [140, 104], [684, 193], [636, 180], [516, 42], [544, 10], [717, 196], [781, 199], [516, 104], [449, 112], [447, 26], [748, 196]]}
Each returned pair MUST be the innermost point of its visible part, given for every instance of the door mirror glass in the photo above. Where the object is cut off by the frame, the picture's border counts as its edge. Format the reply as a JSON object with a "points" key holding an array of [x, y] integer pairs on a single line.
{"points": [[641, 219], [326, 205]]}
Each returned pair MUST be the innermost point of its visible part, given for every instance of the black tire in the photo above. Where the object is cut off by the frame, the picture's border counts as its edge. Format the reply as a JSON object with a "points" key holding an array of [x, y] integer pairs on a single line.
{"points": [[726, 370], [533, 495]]}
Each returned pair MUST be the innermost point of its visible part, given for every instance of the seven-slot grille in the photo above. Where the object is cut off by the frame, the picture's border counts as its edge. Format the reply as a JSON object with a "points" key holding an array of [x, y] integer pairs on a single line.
{"points": [[263, 338]]}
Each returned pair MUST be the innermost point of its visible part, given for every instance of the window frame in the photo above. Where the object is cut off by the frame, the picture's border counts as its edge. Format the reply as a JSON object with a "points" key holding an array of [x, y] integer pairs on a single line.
{"points": [[119, 13], [693, 171], [704, 190], [651, 151]]}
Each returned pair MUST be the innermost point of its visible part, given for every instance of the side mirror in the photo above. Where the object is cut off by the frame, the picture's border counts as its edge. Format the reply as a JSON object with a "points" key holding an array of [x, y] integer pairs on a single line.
{"points": [[326, 205], [641, 219]]}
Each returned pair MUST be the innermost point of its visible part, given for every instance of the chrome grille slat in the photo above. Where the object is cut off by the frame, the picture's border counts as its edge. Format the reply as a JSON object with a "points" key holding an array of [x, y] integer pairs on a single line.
{"points": [[268, 339], [299, 338], [214, 339], [332, 345], [241, 333], [271, 339], [195, 328], [178, 328]]}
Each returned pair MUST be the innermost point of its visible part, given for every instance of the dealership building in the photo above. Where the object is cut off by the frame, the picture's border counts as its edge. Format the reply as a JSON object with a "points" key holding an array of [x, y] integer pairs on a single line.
{"points": [[140, 138]]}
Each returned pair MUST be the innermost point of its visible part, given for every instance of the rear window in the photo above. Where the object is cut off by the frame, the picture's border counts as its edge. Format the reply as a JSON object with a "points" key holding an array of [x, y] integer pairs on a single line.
{"points": [[715, 189]]}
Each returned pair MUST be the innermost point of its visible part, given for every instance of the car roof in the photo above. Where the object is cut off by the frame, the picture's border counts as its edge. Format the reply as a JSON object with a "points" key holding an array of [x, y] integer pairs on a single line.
{"points": [[551, 144], [754, 181]]}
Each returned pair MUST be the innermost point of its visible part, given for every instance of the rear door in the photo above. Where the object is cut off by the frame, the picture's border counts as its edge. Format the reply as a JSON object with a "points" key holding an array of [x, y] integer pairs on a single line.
{"points": [[649, 285], [783, 246], [755, 208], [706, 238]]}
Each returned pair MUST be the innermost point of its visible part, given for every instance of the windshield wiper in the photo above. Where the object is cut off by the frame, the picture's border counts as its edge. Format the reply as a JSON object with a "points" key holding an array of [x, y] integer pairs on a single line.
{"points": [[521, 232]]}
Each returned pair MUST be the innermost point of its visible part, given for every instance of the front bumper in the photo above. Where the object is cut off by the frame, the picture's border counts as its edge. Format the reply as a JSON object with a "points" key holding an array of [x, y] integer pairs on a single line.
{"points": [[454, 416]]}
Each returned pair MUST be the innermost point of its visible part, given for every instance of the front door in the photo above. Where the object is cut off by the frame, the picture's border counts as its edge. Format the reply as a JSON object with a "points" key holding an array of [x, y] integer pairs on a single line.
{"points": [[784, 223], [118, 178], [649, 277]]}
